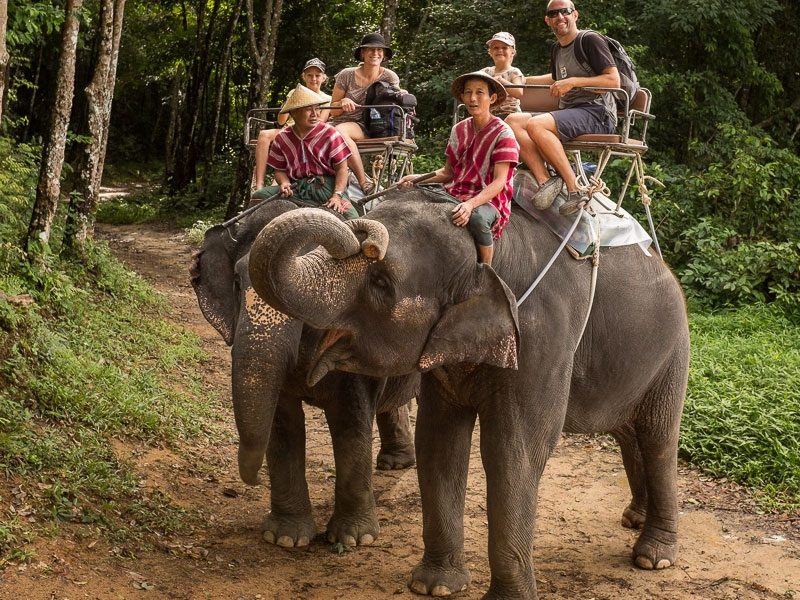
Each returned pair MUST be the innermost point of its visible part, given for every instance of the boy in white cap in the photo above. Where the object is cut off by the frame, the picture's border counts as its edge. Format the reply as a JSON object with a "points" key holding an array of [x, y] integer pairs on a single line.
{"points": [[502, 49], [311, 154], [313, 77]]}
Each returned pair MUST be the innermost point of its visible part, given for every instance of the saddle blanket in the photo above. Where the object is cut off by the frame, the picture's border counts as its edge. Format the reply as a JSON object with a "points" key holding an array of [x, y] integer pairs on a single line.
{"points": [[619, 229]]}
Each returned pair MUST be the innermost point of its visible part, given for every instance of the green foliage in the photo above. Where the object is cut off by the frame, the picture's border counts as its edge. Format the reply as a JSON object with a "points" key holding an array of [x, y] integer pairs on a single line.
{"points": [[741, 416], [86, 358], [733, 229]]}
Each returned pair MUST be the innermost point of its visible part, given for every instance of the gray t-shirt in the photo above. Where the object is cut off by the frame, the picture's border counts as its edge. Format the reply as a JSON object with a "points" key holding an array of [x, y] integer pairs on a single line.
{"points": [[566, 65], [510, 104], [346, 79]]}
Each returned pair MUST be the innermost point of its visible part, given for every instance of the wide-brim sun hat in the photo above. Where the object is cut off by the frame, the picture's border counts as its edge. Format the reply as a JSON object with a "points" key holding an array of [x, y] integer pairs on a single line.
{"points": [[373, 40], [302, 97], [495, 87]]}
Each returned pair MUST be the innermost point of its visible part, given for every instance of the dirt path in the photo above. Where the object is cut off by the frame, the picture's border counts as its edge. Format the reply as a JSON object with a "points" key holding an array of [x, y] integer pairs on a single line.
{"points": [[726, 551]]}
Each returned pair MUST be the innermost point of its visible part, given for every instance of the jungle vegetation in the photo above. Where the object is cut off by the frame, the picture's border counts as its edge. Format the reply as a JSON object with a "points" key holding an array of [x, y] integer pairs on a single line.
{"points": [[156, 91]]}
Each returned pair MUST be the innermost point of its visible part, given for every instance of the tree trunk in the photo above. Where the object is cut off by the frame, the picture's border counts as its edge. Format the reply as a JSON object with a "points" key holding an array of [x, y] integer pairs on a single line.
{"points": [[221, 80], [3, 55], [197, 82], [389, 22], [174, 105], [262, 53], [100, 94], [49, 186]]}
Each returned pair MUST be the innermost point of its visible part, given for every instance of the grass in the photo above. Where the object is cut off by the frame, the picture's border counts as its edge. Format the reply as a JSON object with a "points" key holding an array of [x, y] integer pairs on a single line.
{"points": [[742, 414], [89, 363]]}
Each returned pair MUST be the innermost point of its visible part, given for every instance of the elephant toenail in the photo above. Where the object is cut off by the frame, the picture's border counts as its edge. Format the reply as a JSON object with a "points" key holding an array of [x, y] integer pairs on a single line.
{"points": [[366, 540], [419, 588], [302, 541], [285, 542], [269, 537], [644, 562], [349, 540], [440, 591], [663, 564]]}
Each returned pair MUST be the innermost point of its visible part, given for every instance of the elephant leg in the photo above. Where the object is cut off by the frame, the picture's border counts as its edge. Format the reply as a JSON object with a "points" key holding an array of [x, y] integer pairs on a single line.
{"points": [[657, 429], [634, 514], [515, 446], [397, 444], [443, 436], [350, 420], [290, 522]]}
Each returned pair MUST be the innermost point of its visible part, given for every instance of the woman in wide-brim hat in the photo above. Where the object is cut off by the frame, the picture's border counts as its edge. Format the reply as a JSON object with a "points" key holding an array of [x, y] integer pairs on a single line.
{"points": [[350, 93]]}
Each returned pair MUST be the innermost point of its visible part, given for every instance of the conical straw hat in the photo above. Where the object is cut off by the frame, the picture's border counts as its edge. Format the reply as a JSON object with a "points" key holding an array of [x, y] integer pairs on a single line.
{"points": [[302, 97]]}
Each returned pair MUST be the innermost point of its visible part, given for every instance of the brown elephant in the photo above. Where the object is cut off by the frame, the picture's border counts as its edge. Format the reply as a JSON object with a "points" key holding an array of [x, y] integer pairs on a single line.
{"points": [[270, 356], [402, 292]]}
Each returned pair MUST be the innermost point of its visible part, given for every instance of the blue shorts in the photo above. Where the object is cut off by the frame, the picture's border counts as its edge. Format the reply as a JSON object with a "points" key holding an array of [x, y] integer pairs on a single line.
{"points": [[579, 120]]}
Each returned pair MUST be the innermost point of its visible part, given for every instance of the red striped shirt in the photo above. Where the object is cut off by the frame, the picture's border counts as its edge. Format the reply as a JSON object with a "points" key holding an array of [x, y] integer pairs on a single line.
{"points": [[473, 155], [317, 153]]}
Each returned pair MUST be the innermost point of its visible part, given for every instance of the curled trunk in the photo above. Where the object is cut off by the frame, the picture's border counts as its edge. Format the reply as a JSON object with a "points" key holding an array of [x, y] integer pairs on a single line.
{"points": [[317, 286]]}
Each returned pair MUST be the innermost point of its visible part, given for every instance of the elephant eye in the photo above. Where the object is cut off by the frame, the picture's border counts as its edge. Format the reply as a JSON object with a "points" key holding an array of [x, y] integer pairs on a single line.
{"points": [[380, 281]]}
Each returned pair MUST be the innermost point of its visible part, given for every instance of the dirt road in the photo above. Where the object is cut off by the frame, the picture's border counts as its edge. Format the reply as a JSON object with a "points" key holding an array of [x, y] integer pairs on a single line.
{"points": [[726, 550]]}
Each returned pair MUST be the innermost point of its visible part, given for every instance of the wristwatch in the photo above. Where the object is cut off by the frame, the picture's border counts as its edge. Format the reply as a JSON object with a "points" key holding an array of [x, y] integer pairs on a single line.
{"points": [[340, 194]]}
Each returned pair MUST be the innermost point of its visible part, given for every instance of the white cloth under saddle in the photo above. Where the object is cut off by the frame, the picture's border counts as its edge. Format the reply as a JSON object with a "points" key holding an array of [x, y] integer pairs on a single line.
{"points": [[615, 229]]}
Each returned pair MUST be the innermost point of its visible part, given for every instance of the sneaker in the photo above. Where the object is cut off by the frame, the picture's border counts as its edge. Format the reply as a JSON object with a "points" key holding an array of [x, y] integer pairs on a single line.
{"points": [[547, 192], [574, 201]]}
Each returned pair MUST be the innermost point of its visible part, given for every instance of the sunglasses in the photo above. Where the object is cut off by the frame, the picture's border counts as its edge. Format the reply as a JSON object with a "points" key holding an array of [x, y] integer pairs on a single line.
{"points": [[552, 14]]}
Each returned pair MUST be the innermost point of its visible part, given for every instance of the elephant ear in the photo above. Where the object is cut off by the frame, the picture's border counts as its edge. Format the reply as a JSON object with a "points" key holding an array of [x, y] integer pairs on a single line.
{"points": [[482, 328], [212, 277]]}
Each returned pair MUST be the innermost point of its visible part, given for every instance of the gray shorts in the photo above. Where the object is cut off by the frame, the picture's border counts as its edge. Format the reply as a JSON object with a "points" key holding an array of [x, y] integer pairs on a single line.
{"points": [[589, 118], [480, 224]]}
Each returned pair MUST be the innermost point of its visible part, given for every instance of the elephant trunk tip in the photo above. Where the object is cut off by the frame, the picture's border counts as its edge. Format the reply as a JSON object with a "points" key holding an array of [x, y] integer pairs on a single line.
{"points": [[249, 465]]}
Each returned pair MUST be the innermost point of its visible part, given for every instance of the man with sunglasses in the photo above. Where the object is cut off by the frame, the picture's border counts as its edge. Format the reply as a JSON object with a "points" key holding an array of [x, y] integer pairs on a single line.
{"points": [[580, 111]]}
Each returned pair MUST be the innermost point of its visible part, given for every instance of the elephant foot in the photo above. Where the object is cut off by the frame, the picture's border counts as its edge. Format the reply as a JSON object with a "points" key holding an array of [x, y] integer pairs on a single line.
{"points": [[633, 518], [439, 582], [352, 531], [657, 551], [396, 458], [288, 531]]}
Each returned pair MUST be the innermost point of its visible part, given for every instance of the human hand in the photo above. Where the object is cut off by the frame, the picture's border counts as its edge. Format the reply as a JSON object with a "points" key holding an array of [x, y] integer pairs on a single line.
{"points": [[286, 190], [338, 203], [462, 212], [561, 87], [348, 105], [407, 181]]}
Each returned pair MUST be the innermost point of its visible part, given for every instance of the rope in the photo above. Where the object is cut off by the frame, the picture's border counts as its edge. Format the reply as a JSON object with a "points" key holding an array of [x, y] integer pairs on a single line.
{"points": [[552, 258], [592, 289]]}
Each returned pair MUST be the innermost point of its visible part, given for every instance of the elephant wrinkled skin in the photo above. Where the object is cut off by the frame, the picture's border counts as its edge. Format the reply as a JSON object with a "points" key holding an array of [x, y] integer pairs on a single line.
{"points": [[270, 357], [527, 373]]}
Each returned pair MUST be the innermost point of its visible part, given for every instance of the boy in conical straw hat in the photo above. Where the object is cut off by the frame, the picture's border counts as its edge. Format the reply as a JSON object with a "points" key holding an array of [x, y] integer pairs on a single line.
{"points": [[311, 154]]}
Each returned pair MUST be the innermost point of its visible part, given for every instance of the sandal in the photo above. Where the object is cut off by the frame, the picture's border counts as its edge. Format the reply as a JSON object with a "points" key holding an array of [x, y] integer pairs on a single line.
{"points": [[368, 187]]}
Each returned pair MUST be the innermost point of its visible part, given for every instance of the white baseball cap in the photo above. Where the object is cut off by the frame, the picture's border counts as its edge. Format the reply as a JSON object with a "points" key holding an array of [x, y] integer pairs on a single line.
{"points": [[505, 37]]}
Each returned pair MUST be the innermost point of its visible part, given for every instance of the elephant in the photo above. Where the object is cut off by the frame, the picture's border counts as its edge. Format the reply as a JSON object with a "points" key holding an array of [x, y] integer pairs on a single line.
{"points": [[401, 291], [270, 353]]}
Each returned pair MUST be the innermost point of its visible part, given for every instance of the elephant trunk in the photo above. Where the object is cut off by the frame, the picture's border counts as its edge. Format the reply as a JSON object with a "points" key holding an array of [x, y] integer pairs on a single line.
{"points": [[312, 287], [256, 385]]}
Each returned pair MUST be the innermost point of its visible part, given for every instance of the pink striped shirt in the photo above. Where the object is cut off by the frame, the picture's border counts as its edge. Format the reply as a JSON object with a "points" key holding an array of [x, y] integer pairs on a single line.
{"points": [[473, 155], [315, 154]]}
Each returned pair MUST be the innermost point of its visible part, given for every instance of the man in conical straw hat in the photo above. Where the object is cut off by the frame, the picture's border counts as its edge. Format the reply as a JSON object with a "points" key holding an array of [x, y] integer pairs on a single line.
{"points": [[311, 154]]}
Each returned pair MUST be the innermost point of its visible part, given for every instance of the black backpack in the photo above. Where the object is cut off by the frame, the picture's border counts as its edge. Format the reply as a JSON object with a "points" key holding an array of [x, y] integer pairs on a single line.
{"points": [[388, 122], [623, 62]]}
